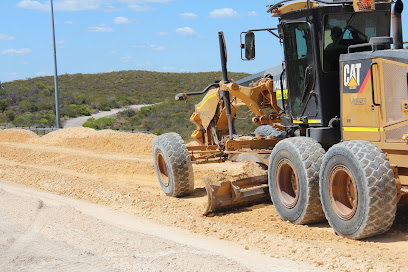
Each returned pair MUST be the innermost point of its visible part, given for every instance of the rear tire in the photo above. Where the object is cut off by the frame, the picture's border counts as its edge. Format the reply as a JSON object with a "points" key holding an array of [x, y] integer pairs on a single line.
{"points": [[293, 178], [268, 130], [173, 166], [358, 190]]}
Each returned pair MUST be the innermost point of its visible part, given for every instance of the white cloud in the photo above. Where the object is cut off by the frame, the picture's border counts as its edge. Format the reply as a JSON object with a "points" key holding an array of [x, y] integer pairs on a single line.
{"points": [[163, 34], [145, 1], [150, 46], [186, 31], [4, 37], [252, 14], [223, 13], [100, 28], [69, 22], [41, 74], [16, 52], [78, 5], [34, 5], [188, 15], [63, 5], [121, 20], [125, 21], [157, 47], [111, 8], [141, 8]]}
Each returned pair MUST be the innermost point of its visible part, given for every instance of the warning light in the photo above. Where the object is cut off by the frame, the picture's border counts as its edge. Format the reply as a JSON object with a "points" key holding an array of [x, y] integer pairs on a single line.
{"points": [[363, 5], [275, 12]]}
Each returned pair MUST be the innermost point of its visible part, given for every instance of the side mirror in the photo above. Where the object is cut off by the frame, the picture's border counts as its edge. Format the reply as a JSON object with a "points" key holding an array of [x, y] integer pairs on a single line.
{"points": [[249, 45]]}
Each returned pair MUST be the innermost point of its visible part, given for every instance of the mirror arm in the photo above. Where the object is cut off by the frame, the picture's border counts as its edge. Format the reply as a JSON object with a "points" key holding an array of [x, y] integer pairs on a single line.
{"points": [[273, 33]]}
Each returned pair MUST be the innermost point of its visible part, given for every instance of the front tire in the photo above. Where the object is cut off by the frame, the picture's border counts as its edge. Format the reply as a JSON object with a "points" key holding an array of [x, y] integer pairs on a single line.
{"points": [[293, 178], [358, 190], [173, 166], [268, 130]]}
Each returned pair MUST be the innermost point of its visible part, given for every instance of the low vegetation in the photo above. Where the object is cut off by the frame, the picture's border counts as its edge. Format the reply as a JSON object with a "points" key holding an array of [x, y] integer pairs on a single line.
{"points": [[31, 102]]}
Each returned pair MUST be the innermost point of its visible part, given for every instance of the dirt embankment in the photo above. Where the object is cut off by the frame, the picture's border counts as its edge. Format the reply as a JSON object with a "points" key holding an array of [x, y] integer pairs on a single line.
{"points": [[116, 169]]}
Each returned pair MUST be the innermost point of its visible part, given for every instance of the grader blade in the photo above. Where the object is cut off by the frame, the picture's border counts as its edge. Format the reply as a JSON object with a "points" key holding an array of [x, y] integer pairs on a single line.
{"points": [[230, 194]]}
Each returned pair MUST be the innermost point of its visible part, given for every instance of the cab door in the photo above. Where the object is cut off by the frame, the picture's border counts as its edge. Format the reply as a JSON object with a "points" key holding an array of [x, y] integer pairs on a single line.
{"points": [[299, 59]]}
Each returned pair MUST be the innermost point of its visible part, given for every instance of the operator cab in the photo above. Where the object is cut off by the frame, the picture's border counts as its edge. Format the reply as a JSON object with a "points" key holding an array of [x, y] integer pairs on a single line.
{"points": [[314, 35]]}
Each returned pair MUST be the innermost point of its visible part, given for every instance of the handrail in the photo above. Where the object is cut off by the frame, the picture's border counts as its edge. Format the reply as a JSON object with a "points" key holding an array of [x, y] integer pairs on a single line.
{"points": [[182, 96], [372, 83]]}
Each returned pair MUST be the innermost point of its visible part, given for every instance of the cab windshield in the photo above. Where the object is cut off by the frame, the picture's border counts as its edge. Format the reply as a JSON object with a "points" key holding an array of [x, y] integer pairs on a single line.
{"points": [[345, 29]]}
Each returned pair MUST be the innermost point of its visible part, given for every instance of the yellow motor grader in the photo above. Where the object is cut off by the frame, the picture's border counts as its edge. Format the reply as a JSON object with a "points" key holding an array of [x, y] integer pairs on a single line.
{"points": [[333, 120]]}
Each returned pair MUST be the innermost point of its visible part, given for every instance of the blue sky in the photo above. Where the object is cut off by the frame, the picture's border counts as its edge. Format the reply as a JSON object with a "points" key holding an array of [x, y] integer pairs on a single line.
{"points": [[96, 36]]}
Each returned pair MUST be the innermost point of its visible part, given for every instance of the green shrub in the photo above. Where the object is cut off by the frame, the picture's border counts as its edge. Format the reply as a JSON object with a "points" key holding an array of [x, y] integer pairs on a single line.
{"points": [[104, 123], [18, 121], [90, 123], [146, 110], [3, 104], [84, 111], [10, 115]]}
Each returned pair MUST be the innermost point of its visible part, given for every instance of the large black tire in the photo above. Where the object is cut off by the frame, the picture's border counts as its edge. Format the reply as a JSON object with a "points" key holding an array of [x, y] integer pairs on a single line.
{"points": [[173, 166], [268, 130], [293, 178], [358, 190]]}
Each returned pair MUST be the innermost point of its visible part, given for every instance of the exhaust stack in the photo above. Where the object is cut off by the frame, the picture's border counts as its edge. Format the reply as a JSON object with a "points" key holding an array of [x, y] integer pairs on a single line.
{"points": [[397, 25]]}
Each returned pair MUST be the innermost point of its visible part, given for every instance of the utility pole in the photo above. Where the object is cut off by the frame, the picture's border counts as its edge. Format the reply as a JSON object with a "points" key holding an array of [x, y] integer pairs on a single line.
{"points": [[57, 107]]}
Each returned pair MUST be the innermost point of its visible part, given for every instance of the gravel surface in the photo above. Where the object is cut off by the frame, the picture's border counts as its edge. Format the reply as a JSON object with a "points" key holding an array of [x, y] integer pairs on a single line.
{"points": [[116, 169], [53, 233]]}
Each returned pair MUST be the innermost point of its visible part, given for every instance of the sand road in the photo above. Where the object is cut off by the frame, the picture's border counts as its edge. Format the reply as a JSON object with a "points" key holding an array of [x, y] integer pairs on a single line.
{"points": [[79, 121], [115, 169], [55, 233]]}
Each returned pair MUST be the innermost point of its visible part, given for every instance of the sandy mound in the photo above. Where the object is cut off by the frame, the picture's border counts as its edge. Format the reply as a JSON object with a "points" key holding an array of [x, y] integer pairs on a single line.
{"points": [[17, 135], [100, 141], [227, 171]]}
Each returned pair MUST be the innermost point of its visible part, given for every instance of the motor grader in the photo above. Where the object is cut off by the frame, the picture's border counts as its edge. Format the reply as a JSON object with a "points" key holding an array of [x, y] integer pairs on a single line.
{"points": [[333, 120]]}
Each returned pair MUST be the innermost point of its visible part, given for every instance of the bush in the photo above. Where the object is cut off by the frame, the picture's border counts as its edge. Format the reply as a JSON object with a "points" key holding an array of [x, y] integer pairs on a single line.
{"points": [[90, 123], [10, 115], [3, 104], [84, 111], [105, 122], [19, 121], [28, 106], [146, 110], [101, 123]]}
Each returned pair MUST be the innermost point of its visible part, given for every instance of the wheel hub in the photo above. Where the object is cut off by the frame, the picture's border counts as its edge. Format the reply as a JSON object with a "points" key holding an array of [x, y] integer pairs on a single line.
{"points": [[287, 184], [163, 171], [343, 192]]}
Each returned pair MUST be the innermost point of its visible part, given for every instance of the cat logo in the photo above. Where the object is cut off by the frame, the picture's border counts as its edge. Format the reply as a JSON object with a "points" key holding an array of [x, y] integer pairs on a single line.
{"points": [[351, 75]]}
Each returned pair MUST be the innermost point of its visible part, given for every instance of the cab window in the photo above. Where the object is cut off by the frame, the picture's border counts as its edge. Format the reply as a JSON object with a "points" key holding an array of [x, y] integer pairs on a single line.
{"points": [[343, 30]]}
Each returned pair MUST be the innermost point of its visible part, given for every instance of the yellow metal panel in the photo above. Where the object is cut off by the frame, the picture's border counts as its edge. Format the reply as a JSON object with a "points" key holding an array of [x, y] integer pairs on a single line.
{"points": [[360, 117], [206, 100], [207, 107], [365, 129], [279, 94], [372, 136], [309, 121], [294, 6]]}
